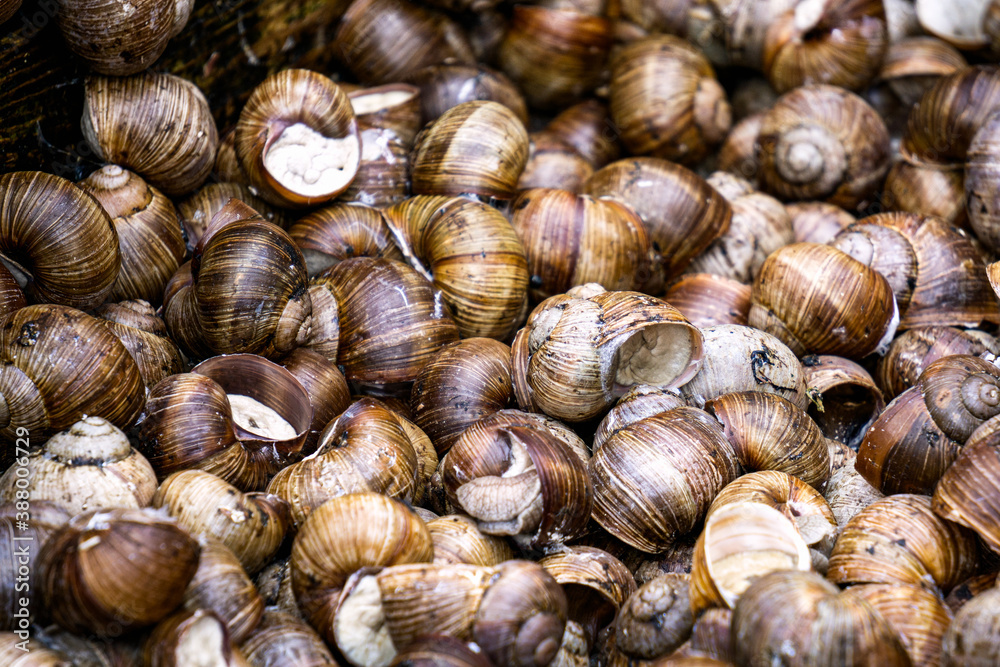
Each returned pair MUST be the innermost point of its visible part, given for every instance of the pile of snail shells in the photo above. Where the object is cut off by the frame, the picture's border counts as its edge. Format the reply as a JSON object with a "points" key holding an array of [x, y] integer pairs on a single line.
{"points": [[562, 333]]}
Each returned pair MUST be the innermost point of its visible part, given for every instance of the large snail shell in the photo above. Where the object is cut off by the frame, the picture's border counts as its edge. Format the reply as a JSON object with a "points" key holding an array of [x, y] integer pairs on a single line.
{"points": [[297, 139], [822, 142], [800, 619], [157, 125], [666, 101], [899, 539], [152, 558], [919, 435], [840, 44], [741, 358], [914, 349], [91, 465], [575, 239], [792, 300], [270, 313], [682, 213], [555, 55], [60, 364], [478, 147], [57, 239], [473, 257], [149, 234], [344, 535], [579, 352], [675, 462], [967, 493]]}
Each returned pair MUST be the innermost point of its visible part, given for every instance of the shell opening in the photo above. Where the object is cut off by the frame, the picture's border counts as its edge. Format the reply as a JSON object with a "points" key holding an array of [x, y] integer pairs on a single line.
{"points": [[657, 355], [203, 644], [360, 627], [255, 417], [311, 165]]}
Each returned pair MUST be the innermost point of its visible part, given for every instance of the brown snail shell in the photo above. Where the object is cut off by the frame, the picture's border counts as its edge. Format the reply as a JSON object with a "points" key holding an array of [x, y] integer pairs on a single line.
{"points": [[197, 211], [914, 64], [579, 352], [771, 433], [366, 448], [17, 561], [47, 224], [817, 222], [735, 535], [555, 55], [297, 139], [572, 240], [8, 8], [980, 169], [822, 142], [587, 127], [966, 492], [971, 639], [391, 321], [969, 589], [222, 586], [918, 615], [340, 231], [927, 189], [94, 373], [552, 163], [383, 41], [738, 153], [899, 540], [477, 147], [440, 651], [122, 115], [645, 460], [681, 121], [447, 85], [471, 254], [790, 299], [741, 358], [326, 386], [75, 561], [457, 540], [640, 402], [464, 382], [682, 213], [149, 236], [281, 636], [919, 434], [187, 632], [90, 465], [144, 335], [841, 44], [656, 619], [801, 619], [393, 107], [596, 585], [252, 525], [843, 397], [344, 535], [511, 470]]}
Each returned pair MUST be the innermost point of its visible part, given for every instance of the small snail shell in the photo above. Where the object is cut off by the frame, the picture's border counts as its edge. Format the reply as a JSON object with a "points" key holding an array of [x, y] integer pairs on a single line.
{"points": [[477, 147], [914, 64], [555, 55], [588, 128], [656, 619], [149, 235], [843, 397], [197, 211], [552, 163], [817, 222], [580, 351], [47, 224], [708, 300], [221, 585], [792, 299], [973, 636], [144, 335], [59, 365], [457, 540], [822, 142], [340, 231], [681, 121], [91, 465], [297, 139], [682, 213], [157, 125], [471, 254], [394, 108], [74, 563]]}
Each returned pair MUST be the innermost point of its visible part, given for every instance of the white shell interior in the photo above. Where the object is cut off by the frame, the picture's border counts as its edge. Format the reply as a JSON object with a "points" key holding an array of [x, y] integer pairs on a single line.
{"points": [[305, 162], [254, 416]]}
